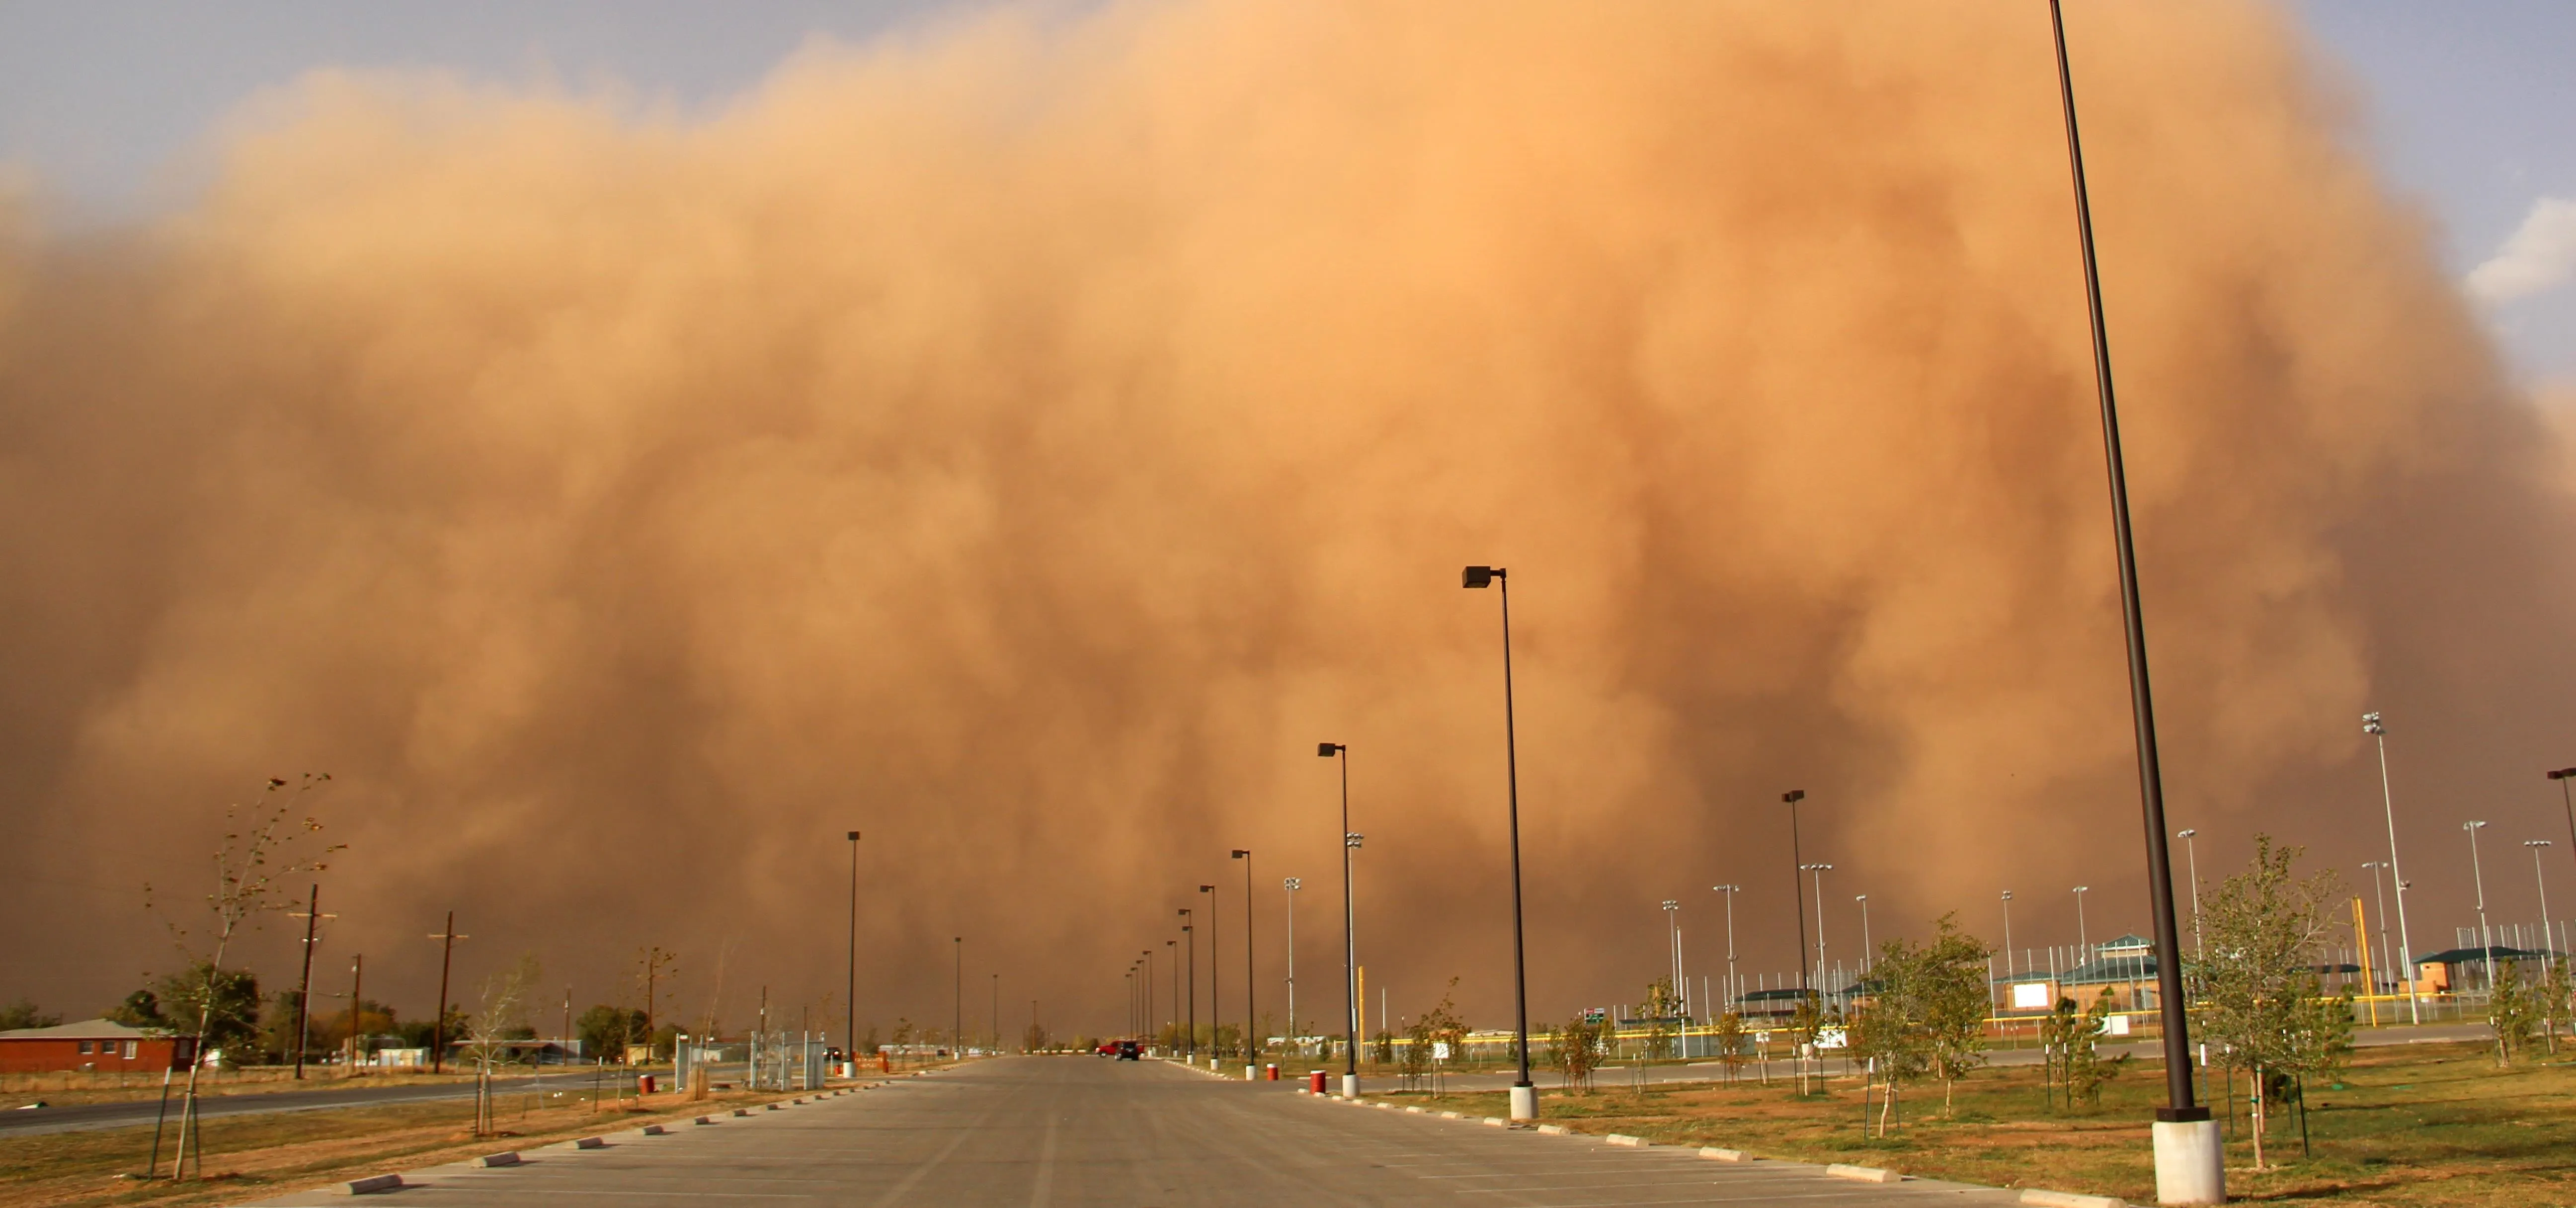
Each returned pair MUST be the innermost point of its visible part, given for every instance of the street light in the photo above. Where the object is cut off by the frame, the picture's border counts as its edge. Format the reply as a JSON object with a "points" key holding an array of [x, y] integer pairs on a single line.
{"points": [[2370, 725], [1865, 949], [2191, 1165], [850, 1025], [1524, 1092], [1190, 950], [1819, 870], [2562, 776], [1251, 1043], [2083, 942], [1174, 956], [1341, 753], [1796, 899], [2486, 942], [1216, 969], [2191, 851], [957, 1030], [1292, 885], [1147, 1018], [1733, 998], [2543, 882]]}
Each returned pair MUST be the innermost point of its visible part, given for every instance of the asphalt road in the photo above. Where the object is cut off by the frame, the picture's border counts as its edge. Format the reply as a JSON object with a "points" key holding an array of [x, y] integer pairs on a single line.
{"points": [[1071, 1132], [87, 1116]]}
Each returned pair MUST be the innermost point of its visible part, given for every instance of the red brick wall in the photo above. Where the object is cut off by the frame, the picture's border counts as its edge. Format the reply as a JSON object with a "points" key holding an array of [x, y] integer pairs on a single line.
{"points": [[48, 1054]]}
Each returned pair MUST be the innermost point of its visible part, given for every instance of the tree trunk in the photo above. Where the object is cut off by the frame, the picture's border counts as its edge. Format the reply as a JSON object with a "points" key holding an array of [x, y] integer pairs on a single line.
{"points": [[2260, 1117]]}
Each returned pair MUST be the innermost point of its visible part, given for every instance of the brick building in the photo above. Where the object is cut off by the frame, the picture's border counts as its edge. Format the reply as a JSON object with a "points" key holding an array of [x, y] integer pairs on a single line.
{"points": [[92, 1044]]}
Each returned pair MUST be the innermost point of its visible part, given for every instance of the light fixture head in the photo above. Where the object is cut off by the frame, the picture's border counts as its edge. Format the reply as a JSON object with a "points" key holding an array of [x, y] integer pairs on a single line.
{"points": [[2007, 895], [1240, 853], [2186, 832], [2475, 824], [1329, 749], [854, 836], [1207, 889], [1794, 796], [2562, 773], [1480, 576], [2535, 843], [1292, 884]]}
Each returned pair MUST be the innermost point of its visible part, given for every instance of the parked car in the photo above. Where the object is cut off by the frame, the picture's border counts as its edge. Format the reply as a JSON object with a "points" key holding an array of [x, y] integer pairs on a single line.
{"points": [[1129, 1050]]}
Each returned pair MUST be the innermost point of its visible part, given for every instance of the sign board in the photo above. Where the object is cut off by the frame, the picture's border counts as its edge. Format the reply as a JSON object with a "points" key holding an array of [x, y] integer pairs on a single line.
{"points": [[1440, 1048], [2115, 1025], [1595, 1014], [1832, 1038], [1761, 1038], [2030, 996]]}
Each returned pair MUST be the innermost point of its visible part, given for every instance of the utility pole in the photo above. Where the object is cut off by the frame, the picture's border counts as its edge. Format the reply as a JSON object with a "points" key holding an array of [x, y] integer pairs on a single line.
{"points": [[850, 1023], [357, 1018], [312, 915], [446, 938], [1291, 885]]}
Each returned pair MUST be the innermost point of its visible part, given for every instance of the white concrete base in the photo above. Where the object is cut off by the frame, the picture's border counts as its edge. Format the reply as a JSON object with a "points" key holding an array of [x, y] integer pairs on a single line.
{"points": [[1525, 1103], [2191, 1163], [1251, 1074], [1350, 1086]]}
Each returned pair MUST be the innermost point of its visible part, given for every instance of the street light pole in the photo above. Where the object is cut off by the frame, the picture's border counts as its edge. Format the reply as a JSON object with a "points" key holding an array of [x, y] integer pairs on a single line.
{"points": [[2486, 942], [2191, 1163], [1216, 978], [2371, 725], [1175, 957], [1291, 885], [1797, 899], [850, 1024], [1673, 944], [1251, 1042], [1146, 1017], [1733, 998], [1190, 951], [2562, 776], [1818, 872], [2191, 852], [1524, 1092], [1865, 949], [1340, 753], [957, 1027]]}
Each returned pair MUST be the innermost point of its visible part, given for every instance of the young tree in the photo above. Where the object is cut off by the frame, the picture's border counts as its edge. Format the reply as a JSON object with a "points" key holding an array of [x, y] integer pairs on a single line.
{"points": [[2086, 1068], [249, 864], [2261, 927], [1730, 1043], [2513, 1011], [1578, 1048], [503, 1017], [1887, 1029], [2557, 1001], [1659, 1010]]}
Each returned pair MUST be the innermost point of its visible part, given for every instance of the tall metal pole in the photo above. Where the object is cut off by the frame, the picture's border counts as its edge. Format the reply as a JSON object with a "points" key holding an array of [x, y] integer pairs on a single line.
{"points": [[1291, 885], [1865, 949], [1341, 754], [2565, 802], [2083, 941], [2151, 792], [1797, 864], [1733, 999], [2378, 731], [2008, 965], [357, 983], [1216, 977], [1175, 957], [2191, 853], [1820, 870], [2486, 941], [2380, 900], [957, 1024], [2542, 880], [1251, 1017], [850, 1024], [1524, 1098], [1190, 948], [997, 1013]]}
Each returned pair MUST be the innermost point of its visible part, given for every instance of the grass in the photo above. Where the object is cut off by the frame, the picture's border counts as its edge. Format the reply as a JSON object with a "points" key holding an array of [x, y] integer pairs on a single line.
{"points": [[71, 1088], [2412, 1125], [257, 1156]]}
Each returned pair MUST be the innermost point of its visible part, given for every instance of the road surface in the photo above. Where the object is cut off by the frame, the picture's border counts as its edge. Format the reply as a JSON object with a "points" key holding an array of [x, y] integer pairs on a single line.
{"points": [[1075, 1132]]}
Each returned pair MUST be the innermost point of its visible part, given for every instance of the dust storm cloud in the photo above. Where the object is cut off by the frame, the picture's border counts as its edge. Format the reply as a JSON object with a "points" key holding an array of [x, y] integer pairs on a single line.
{"points": [[1024, 439]]}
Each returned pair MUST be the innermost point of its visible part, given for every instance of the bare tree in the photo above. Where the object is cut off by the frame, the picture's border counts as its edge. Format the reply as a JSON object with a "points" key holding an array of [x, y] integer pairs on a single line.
{"points": [[502, 1015], [249, 864]]}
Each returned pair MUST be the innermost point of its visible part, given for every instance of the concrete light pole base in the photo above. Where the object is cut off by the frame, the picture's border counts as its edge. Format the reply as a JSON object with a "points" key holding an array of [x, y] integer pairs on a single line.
{"points": [[2191, 1162], [1524, 1103], [1350, 1086]]}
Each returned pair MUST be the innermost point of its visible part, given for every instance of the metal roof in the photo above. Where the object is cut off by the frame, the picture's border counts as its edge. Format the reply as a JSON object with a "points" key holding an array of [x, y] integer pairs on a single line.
{"points": [[87, 1029]]}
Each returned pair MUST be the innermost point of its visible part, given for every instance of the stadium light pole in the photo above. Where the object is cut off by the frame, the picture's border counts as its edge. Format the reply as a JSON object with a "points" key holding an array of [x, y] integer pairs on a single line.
{"points": [[1524, 1092], [2542, 880], [2379, 899], [2191, 855], [1673, 943], [2486, 941], [1734, 998], [1251, 1042], [1818, 872], [2378, 731], [1865, 949], [2190, 1157], [1341, 754], [2083, 941]]}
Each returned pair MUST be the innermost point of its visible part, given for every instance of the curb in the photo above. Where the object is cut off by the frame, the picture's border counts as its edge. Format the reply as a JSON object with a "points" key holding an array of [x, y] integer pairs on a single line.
{"points": [[2069, 1199], [1625, 1139], [1864, 1174], [490, 1160], [1715, 1154], [368, 1186]]}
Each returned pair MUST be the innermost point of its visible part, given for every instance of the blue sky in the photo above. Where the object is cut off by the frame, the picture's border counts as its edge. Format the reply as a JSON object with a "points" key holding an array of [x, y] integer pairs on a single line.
{"points": [[2469, 102]]}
